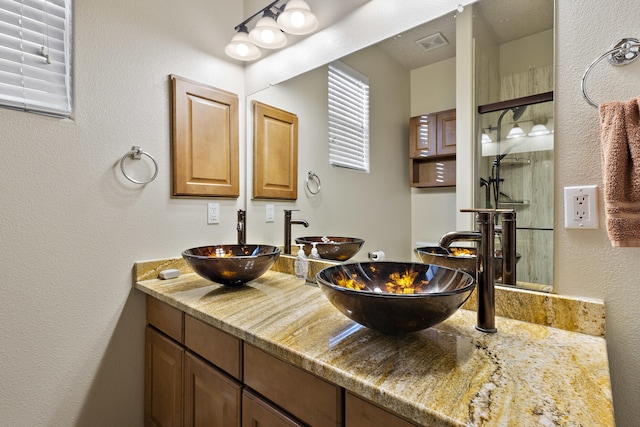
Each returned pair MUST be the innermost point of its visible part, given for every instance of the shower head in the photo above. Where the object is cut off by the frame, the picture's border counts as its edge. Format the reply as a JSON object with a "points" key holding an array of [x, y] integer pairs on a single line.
{"points": [[518, 112]]}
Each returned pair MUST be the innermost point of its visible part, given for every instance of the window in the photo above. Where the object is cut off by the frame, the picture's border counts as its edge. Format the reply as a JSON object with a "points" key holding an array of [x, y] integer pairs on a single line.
{"points": [[35, 56], [348, 117]]}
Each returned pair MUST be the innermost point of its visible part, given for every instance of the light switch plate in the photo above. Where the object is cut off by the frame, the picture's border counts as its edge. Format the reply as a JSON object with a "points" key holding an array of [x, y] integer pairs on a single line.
{"points": [[270, 213], [581, 207]]}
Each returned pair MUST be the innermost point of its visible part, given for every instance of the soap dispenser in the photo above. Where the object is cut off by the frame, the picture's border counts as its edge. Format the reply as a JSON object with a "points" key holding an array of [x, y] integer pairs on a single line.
{"points": [[301, 266], [314, 251]]}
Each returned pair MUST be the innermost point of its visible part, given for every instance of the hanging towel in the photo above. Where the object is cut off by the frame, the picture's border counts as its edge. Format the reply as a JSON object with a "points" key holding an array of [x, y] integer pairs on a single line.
{"points": [[620, 149]]}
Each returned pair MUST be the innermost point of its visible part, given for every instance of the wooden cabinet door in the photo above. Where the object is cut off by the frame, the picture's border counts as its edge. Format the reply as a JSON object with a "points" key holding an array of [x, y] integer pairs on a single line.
{"points": [[446, 132], [422, 135], [163, 381], [205, 140], [360, 413], [258, 413], [275, 153], [211, 398]]}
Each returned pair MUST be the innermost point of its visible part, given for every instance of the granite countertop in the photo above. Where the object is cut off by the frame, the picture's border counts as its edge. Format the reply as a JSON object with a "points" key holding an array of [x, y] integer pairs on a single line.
{"points": [[448, 375]]}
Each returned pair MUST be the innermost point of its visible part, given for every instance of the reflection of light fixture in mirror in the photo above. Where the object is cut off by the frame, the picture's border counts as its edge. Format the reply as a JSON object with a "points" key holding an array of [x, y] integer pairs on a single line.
{"points": [[539, 129], [485, 138], [515, 132], [267, 34], [297, 18], [241, 46]]}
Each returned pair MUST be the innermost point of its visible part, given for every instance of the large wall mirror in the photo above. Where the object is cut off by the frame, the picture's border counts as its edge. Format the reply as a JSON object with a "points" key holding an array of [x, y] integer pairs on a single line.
{"points": [[405, 80]]}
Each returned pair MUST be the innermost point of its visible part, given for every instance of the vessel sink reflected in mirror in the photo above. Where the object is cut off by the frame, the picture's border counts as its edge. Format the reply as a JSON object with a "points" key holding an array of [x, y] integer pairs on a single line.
{"points": [[231, 265], [332, 247], [458, 258], [395, 297]]}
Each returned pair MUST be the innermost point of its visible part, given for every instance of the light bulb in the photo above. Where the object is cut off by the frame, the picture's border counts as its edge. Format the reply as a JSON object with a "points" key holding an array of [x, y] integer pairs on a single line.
{"points": [[297, 19]]}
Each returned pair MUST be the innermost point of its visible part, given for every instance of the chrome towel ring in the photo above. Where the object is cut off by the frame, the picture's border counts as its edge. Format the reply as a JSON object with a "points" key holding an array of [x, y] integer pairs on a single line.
{"points": [[623, 52], [137, 153], [313, 181]]}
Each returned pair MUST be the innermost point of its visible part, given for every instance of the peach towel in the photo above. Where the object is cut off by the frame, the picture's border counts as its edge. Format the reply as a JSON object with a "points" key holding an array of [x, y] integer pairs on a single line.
{"points": [[620, 144]]}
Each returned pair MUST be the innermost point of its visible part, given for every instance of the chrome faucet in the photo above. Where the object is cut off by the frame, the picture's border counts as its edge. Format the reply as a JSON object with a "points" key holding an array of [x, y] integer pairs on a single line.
{"points": [[287, 228], [242, 227], [485, 258]]}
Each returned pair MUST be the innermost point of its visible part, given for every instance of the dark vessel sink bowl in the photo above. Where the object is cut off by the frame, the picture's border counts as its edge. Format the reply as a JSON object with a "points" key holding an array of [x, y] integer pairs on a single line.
{"points": [[395, 297], [458, 258], [332, 247], [231, 265]]}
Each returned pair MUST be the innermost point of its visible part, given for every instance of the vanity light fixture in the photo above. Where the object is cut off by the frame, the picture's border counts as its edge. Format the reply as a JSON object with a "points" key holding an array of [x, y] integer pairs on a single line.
{"points": [[539, 129], [241, 47], [485, 138], [293, 17], [515, 132], [297, 18], [267, 34]]}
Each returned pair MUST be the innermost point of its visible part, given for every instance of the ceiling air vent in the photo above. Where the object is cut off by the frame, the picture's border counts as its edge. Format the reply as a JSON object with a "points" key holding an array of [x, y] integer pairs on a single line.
{"points": [[433, 41]]}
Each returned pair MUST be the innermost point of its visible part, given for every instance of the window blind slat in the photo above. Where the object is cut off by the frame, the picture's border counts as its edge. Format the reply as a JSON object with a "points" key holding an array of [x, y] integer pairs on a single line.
{"points": [[34, 55], [348, 118]]}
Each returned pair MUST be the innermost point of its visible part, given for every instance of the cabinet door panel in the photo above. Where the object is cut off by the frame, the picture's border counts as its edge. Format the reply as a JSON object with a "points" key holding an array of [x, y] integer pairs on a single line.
{"points": [[258, 413], [422, 134], [447, 132], [205, 141], [163, 381], [211, 398], [360, 413]]}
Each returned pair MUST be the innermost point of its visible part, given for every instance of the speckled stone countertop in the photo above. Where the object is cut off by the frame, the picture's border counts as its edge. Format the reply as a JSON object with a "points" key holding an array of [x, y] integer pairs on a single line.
{"points": [[449, 375]]}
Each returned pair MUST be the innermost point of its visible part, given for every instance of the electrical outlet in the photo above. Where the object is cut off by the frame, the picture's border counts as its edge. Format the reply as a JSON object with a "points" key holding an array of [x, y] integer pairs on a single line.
{"points": [[213, 213], [270, 214], [581, 207]]}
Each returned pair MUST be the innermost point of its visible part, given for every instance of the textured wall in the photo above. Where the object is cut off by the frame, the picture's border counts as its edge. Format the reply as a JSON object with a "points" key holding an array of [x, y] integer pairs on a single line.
{"points": [[585, 262], [71, 226]]}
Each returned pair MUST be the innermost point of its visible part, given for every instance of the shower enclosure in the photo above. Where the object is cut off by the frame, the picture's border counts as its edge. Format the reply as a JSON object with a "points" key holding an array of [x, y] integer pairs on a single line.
{"points": [[515, 171]]}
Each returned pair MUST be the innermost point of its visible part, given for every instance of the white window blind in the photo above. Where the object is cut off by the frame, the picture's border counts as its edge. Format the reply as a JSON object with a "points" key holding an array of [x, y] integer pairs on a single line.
{"points": [[348, 117], [35, 56]]}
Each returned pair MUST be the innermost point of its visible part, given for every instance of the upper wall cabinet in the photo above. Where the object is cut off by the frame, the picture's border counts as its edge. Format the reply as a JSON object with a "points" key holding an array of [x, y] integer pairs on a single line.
{"points": [[205, 145], [432, 149], [275, 153]]}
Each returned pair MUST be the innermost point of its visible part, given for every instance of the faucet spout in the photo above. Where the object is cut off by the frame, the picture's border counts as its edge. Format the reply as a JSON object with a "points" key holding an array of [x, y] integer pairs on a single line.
{"points": [[457, 236], [287, 228]]}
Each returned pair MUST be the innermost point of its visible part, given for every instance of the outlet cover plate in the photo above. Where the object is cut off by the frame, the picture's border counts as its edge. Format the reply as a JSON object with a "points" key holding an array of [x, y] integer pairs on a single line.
{"points": [[581, 207]]}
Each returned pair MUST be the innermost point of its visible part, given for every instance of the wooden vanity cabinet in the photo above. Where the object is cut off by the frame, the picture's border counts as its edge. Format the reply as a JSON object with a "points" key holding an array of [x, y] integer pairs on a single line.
{"points": [[197, 375], [432, 149]]}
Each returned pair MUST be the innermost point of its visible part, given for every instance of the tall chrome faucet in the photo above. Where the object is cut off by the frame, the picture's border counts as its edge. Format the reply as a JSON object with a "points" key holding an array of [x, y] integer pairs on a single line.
{"points": [[485, 258], [242, 227], [287, 228]]}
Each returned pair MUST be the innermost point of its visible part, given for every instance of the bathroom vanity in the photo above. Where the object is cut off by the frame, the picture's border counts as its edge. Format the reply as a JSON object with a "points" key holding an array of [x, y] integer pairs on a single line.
{"points": [[275, 351]]}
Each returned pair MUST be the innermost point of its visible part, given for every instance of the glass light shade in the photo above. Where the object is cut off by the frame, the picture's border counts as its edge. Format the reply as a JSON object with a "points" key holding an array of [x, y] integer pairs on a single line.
{"points": [[516, 132], [242, 48], [297, 18], [485, 138], [267, 34], [539, 129]]}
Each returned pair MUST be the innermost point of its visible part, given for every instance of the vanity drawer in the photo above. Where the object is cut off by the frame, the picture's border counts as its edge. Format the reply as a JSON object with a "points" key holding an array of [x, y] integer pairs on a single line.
{"points": [[305, 396], [361, 413], [218, 347], [165, 318]]}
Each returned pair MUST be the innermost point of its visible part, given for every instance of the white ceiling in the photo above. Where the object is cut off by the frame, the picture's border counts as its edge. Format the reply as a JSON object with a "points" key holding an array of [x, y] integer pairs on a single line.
{"points": [[509, 19]]}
